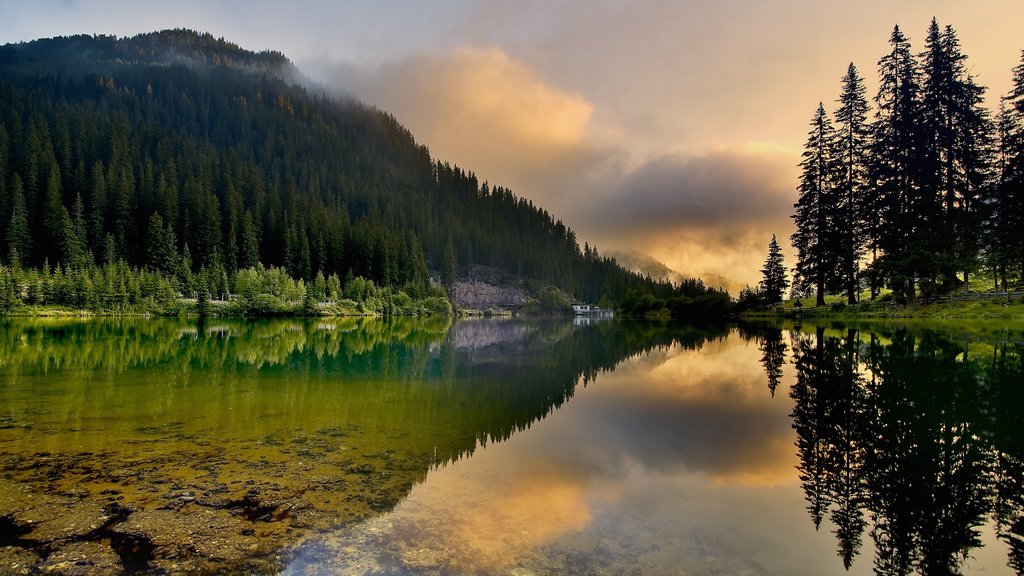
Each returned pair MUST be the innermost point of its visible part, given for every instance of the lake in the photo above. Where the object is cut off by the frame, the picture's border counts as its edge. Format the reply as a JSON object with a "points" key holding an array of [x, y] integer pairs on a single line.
{"points": [[365, 446]]}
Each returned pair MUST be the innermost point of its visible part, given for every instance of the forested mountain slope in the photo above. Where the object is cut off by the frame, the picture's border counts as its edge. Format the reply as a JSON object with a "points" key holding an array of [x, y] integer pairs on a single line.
{"points": [[177, 149]]}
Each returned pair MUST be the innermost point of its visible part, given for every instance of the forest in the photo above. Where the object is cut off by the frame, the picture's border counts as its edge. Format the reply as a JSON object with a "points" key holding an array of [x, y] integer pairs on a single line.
{"points": [[923, 198], [137, 170]]}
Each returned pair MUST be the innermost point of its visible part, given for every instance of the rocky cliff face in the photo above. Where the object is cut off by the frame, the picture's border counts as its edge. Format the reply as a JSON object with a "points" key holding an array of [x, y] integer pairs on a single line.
{"points": [[479, 295]]}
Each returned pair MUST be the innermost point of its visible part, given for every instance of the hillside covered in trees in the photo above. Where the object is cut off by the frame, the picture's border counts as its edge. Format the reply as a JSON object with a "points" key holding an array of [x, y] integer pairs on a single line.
{"points": [[188, 158], [921, 195]]}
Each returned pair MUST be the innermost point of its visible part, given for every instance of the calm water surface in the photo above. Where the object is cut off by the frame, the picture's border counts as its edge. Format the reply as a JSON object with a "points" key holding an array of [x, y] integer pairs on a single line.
{"points": [[507, 447]]}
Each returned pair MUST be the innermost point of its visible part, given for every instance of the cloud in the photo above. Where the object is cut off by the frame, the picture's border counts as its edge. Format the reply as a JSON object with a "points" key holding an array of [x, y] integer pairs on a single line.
{"points": [[703, 192], [493, 115], [484, 111], [708, 215]]}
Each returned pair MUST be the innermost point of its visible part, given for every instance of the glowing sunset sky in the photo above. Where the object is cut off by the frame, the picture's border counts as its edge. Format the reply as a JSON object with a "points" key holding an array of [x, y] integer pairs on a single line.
{"points": [[672, 127]]}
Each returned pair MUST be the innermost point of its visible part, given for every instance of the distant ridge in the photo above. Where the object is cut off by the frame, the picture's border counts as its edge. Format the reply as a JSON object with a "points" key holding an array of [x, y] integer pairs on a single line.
{"points": [[177, 46]]}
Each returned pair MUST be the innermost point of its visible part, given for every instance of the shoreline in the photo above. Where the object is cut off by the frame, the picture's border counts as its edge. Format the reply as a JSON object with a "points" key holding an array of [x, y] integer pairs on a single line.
{"points": [[973, 307]]}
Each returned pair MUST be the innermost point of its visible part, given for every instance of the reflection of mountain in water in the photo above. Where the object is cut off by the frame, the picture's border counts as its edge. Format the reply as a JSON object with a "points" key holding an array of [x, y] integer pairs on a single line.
{"points": [[141, 438], [914, 439]]}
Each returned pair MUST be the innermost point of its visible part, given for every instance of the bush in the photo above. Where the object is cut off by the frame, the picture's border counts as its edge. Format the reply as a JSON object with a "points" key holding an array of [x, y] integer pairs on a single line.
{"points": [[261, 305]]}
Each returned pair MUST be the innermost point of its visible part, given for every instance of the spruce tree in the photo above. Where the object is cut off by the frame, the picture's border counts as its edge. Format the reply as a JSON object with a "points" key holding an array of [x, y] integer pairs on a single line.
{"points": [[814, 237], [1006, 224], [956, 140], [448, 271], [774, 281], [895, 169], [1003, 226], [18, 237], [853, 217], [161, 254], [250, 246]]}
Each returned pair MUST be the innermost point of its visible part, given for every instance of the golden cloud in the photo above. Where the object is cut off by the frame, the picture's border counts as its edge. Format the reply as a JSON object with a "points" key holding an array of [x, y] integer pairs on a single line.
{"points": [[486, 111]]}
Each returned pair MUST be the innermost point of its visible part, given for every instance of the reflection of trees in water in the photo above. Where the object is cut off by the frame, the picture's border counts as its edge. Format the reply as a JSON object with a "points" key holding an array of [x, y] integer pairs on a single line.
{"points": [[773, 351], [828, 417], [1005, 371], [915, 437], [470, 381]]}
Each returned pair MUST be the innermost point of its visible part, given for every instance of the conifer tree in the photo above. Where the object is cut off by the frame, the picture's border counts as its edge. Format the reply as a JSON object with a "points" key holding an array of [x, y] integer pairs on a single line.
{"points": [[774, 281], [1003, 227], [250, 246], [78, 238], [895, 168], [816, 257], [1006, 219], [18, 237], [853, 217], [956, 140], [161, 254], [448, 271]]}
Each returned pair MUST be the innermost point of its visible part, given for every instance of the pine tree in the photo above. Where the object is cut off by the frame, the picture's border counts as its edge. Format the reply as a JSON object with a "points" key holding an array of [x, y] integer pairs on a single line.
{"points": [[895, 169], [250, 246], [98, 208], [813, 239], [310, 307], [161, 254], [19, 238], [774, 282], [957, 136], [852, 199], [1004, 225], [448, 271], [1006, 219], [79, 254]]}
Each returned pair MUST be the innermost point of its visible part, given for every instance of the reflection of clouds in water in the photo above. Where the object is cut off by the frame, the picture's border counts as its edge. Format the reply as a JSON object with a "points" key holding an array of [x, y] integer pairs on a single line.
{"points": [[703, 411], [676, 422]]}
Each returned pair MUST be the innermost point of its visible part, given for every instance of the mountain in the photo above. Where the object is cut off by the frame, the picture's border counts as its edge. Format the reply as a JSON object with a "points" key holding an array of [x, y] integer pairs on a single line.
{"points": [[179, 152], [649, 266]]}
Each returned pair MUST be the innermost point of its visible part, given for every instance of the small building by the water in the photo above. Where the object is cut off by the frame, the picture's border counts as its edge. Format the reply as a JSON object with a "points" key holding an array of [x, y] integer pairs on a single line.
{"points": [[586, 309]]}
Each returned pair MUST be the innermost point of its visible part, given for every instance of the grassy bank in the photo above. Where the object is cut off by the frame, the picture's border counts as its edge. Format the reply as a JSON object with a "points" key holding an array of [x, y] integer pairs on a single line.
{"points": [[975, 306]]}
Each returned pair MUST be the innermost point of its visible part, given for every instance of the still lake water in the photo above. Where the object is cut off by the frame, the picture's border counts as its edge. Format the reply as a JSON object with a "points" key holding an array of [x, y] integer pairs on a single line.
{"points": [[507, 447]]}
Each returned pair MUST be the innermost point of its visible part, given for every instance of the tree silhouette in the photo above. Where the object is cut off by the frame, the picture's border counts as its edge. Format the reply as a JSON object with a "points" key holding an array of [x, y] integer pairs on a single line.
{"points": [[814, 238], [774, 281]]}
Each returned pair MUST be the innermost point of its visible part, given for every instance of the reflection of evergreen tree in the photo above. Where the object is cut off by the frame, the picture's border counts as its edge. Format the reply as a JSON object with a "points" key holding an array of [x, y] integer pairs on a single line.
{"points": [[773, 356], [440, 387], [846, 409], [828, 417], [901, 431], [1004, 374], [928, 468], [809, 423]]}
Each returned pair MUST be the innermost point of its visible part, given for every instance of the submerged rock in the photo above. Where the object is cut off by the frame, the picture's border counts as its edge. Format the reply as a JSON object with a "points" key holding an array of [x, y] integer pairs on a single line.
{"points": [[17, 561], [82, 559]]}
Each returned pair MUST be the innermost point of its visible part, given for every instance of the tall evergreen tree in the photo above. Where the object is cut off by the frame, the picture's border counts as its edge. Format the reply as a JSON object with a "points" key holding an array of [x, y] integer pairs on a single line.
{"points": [[774, 281], [18, 237], [895, 168], [816, 258], [249, 255], [853, 217], [79, 235], [161, 253], [1006, 223], [448, 271], [956, 141]]}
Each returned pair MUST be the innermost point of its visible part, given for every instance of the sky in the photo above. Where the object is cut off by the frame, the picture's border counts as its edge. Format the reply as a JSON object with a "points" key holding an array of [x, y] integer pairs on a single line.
{"points": [[669, 128]]}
